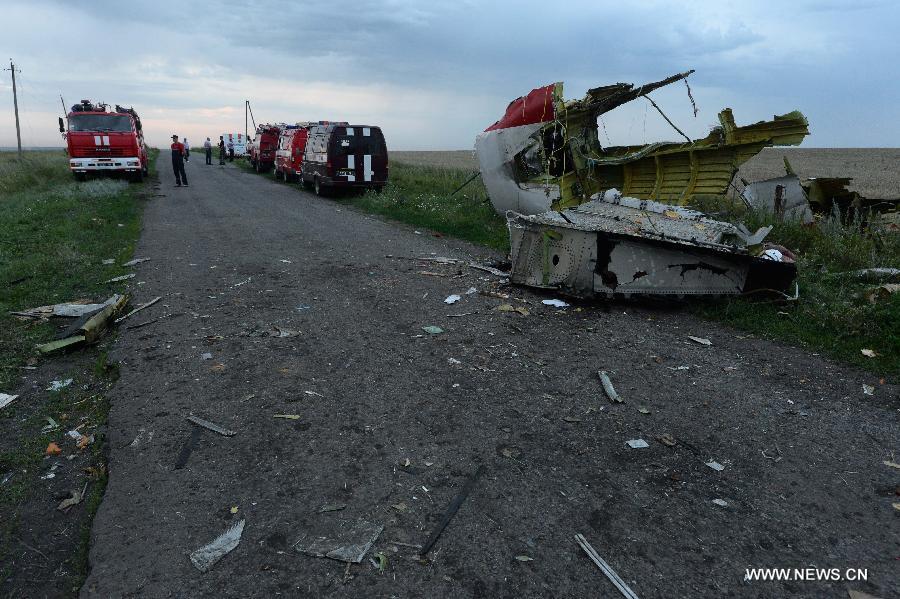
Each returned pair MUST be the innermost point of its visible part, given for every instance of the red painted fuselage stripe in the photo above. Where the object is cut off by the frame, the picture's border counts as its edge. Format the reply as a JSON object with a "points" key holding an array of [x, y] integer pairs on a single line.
{"points": [[536, 107]]}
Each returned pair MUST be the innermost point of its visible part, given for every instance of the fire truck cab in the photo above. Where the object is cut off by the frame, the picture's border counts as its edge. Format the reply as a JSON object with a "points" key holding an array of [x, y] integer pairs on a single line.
{"points": [[262, 149], [100, 140]]}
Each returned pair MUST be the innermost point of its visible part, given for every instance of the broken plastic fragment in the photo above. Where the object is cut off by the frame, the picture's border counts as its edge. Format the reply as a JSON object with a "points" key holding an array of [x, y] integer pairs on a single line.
{"points": [[720, 502], [452, 299], [206, 557], [868, 353], [700, 340], [637, 443], [343, 540], [57, 385], [868, 389], [6, 399], [433, 330], [715, 466]]}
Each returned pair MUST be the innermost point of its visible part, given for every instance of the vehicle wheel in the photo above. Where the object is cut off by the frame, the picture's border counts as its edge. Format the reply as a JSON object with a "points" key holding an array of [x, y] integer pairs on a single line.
{"points": [[137, 177]]}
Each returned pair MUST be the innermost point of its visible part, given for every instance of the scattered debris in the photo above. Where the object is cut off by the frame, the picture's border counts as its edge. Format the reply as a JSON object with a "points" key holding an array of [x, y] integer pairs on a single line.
{"points": [[556, 303], [138, 309], [244, 282], [868, 389], [637, 443], [715, 466], [882, 292], [700, 340], [332, 507], [510, 308], [872, 275], [604, 567], [81, 441], [471, 290], [490, 269], [206, 557], [433, 330], [6, 399], [720, 502], [287, 416], [121, 278], [57, 385], [52, 449], [343, 540], [51, 425], [75, 498], [382, 563], [91, 330], [451, 510], [891, 464], [314, 393], [217, 367], [868, 353], [135, 261], [524, 558], [108, 261], [452, 299], [75, 309], [608, 387], [644, 410], [211, 426], [400, 507], [206, 356], [61, 344]]}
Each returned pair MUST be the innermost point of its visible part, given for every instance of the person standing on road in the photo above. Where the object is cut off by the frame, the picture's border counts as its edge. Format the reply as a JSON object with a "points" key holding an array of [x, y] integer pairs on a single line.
{"points": [[207, 145], [187, 150], [230, 151], [178, 162], [221, 149]]}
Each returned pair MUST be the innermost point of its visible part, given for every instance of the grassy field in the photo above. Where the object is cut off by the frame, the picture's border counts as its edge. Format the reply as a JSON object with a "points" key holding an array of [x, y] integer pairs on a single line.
{"points": [[55, 234], [832, 315]]}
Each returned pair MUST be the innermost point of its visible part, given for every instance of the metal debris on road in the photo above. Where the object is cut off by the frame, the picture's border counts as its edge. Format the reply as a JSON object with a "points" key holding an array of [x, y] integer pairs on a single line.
{"points": [[206, 356], [206, 557], [490, 269], [510, 308], [524, 558], [135, 261], [720, 502], [452, 299], [556, 303], [637, 443], [604, 567], [138, 309], [332, 507], [121, 278], [868, 353], [91, 330], [287, 416], [451, 510], [433, 330], [715, 466], [211, 426], [700, 340], [6, 399], [608, 387], [891, 464], [343, 540], [868, 389]]}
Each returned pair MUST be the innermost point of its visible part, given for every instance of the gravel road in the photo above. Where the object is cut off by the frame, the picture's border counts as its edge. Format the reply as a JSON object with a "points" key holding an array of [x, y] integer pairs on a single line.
{"points": [[307, 307]]}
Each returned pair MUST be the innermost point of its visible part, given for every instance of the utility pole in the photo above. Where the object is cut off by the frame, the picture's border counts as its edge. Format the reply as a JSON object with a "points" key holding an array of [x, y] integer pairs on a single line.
{"points": [[246, 130], [12, 69]]}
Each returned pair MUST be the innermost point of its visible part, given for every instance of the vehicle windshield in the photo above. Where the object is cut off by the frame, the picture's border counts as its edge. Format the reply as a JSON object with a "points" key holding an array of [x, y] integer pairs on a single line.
{"points": [[100, 122]]}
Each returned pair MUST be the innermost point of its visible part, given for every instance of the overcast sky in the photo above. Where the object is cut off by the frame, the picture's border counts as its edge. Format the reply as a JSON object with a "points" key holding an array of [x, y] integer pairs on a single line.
{"points": [[434, 74]]}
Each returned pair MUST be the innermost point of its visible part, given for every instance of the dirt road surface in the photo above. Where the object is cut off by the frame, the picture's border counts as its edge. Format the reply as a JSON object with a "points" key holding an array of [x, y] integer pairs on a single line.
{"points": [[307, 307]]}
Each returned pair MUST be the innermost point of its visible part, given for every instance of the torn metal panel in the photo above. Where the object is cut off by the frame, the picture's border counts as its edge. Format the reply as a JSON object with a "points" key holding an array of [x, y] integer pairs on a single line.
{"points": [[784, 197], [545, 154], [626, 246]]}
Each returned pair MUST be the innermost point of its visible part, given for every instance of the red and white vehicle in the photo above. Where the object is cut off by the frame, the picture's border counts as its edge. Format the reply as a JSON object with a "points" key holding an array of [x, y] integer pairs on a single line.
{"points": [[289, 155], [100, 140], [262, 149]]}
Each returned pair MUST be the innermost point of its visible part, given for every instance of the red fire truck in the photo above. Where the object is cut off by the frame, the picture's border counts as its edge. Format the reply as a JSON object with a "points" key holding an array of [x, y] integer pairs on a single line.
{"points": [[289, 155], [100, 140], [262, 149]]}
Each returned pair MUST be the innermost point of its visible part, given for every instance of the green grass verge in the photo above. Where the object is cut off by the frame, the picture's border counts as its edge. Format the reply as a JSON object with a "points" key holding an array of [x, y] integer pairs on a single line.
{"points": [[832, 315], [54, 235]]}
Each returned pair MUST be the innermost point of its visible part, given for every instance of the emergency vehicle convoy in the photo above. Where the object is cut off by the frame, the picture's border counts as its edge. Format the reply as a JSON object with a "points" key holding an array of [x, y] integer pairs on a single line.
{"points": [[261, 150], [326, 156], [100, 140]]}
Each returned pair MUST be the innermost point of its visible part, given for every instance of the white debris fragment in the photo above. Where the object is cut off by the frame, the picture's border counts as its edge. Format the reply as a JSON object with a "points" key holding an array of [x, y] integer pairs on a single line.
{"points": [[206, 356], [207, 556], [715, 466], [637, 443], [6, 399], [136, 261], [471, 290], [121, 278], [109, 261], [57, 385], [453, 361], [556, 303], [720, 502], [700, 340], [608, 387], [452, 299], [868, 389]]}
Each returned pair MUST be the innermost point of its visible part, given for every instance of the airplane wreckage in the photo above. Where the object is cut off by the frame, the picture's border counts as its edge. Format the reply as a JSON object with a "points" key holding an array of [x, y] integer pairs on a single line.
{"points": [[589, 220]]}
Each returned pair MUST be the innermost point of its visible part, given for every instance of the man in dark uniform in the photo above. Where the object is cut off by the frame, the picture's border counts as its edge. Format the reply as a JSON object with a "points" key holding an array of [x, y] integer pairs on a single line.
{"points": [[178, 162], [221, 149]]}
